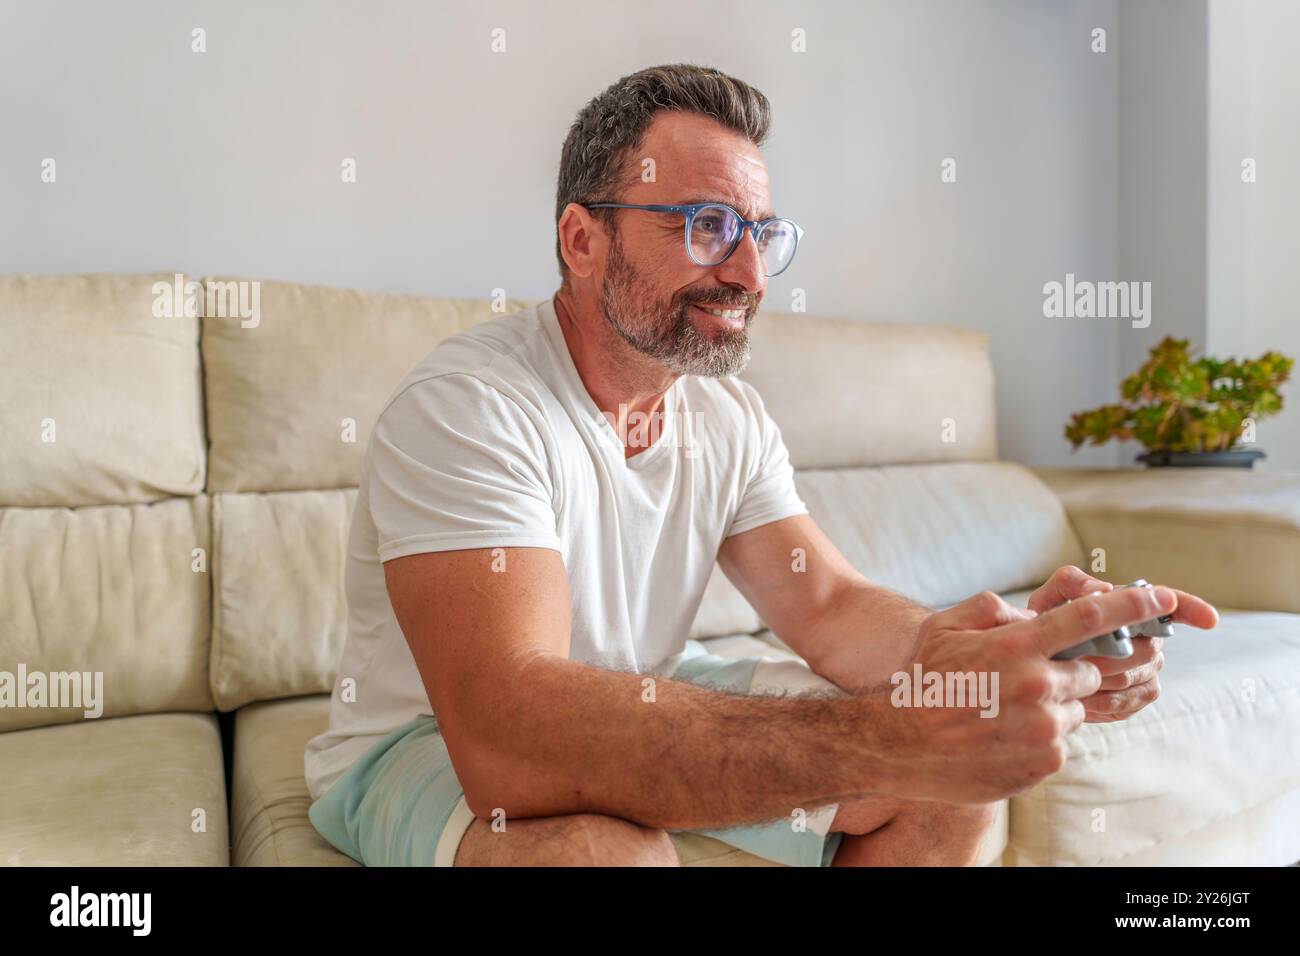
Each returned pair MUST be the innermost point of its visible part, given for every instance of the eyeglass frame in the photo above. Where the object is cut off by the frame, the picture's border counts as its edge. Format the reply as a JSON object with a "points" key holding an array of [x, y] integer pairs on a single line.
{"points": [[690, 211]]}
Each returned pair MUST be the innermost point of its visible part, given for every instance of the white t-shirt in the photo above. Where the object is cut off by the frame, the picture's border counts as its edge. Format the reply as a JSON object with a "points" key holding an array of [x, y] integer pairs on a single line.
{"points": [[493, 442]]}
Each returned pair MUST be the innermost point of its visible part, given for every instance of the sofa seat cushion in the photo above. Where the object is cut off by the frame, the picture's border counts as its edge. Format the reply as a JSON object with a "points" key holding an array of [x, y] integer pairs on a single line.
{"points": [[269, 799], [1211, 756], [119, 791]]}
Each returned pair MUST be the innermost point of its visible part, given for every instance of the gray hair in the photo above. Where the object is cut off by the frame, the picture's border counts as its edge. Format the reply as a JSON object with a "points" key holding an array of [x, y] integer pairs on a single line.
{"points": [[612, 125]]}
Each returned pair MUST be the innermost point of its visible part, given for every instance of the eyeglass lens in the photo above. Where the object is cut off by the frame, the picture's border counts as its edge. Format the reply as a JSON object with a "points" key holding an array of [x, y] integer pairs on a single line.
{"points": [[716, 230]]}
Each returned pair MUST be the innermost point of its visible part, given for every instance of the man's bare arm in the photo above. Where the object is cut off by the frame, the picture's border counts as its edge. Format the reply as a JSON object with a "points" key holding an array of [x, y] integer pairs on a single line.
{"points": [[858, 634], [536, 734], [850, 631]]}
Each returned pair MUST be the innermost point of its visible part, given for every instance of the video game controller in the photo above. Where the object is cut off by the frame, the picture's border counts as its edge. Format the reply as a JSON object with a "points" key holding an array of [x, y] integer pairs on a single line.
{"points": [[1119, 643]]}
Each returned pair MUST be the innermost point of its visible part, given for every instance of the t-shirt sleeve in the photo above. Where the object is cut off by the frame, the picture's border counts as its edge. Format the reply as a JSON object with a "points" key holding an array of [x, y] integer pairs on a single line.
{"points": [[454, 464], [769, 493]]}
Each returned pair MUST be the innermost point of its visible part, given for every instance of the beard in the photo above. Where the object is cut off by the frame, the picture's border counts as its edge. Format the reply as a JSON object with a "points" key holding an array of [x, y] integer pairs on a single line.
{"points": [[664, 330]]}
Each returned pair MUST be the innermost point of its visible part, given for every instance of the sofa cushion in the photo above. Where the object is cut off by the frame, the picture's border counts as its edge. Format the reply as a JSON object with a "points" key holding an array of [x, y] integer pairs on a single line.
{"points": [[723, 610], [1228, 534], [1263, 835], [121, 591], [281, 392], [1220, 745], [101, 400], [279, 613], [848, 394], [940, 533], [119, 792], [269, 799]]}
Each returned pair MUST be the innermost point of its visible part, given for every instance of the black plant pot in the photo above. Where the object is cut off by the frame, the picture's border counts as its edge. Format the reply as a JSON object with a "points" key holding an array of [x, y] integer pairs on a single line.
{"points": [[1235, 458]]}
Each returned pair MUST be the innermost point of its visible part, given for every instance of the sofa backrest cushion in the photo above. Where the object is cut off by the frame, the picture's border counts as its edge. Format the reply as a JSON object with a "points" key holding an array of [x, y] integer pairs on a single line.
{"points": [[849, 394], [279, 617], [102, 402], [279, 613], [846, 395], [104, 532], [293, 392], [936, 533], [120, 591], [941, 533]]}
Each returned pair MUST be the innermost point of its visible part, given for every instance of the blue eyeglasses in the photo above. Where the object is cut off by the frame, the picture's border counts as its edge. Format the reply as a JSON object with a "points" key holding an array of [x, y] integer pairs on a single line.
{"points": [[714, 230]]}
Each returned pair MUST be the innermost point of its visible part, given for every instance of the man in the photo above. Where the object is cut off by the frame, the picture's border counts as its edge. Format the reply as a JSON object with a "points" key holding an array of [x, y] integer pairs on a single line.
{"points": [[526, 558]]}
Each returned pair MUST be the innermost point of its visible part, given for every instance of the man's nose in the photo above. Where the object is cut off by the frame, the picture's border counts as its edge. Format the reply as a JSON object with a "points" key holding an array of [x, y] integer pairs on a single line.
{"points": [[745, 265]]}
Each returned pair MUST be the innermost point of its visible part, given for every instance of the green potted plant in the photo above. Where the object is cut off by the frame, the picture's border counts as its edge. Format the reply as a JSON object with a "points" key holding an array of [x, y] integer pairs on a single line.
{"points": [[1189, 412]]}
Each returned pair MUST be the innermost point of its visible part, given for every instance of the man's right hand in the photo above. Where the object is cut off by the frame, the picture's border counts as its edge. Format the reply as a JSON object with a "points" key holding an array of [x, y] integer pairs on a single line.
{"points": [[953, 754]]}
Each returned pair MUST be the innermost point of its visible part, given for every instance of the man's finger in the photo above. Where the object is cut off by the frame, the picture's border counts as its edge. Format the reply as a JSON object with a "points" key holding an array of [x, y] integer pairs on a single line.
{"points": [[1129, 678], [1145, 650], [1077, 713], [1066, 584], [1071, 624], [1075, 680], [1194, 611], [979, 613], [1123, 702]]}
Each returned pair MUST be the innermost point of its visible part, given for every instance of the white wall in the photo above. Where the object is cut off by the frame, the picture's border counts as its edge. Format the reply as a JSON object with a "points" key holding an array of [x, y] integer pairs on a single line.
{"points": [[1253, 247], [1203, 85], [1162, 181], [228, 162]]}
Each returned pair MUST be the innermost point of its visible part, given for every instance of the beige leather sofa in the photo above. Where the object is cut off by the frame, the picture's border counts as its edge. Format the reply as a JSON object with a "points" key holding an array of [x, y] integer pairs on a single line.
{"points": [[174, 496]]}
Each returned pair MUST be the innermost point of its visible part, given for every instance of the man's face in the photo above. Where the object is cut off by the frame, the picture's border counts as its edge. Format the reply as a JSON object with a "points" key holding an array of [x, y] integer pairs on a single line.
{"points": [[653, 295]]}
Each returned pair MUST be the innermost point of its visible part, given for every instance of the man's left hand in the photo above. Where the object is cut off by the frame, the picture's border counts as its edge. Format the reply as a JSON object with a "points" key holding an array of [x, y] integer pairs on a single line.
{"points": [[1130, 683]]}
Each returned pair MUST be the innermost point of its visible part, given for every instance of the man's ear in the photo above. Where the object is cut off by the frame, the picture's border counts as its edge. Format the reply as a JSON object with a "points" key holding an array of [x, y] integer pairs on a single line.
{"points": [[582, 240]]}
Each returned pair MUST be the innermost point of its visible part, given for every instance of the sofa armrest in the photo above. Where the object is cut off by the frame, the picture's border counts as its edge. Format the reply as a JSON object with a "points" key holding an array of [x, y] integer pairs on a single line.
{"points": [[1231, 536]]}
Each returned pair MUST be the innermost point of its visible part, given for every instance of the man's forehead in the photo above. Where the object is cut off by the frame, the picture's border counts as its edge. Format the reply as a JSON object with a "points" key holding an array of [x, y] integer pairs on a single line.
{"points": [[698, 160]]}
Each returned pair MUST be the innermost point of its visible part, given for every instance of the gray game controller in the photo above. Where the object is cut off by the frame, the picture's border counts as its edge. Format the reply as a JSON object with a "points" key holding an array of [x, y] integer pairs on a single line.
{"points": [[1119, 643]]}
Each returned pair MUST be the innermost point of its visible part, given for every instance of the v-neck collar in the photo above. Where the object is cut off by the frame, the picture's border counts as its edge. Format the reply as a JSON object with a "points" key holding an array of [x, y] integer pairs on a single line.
{"points": [[593, 418]]}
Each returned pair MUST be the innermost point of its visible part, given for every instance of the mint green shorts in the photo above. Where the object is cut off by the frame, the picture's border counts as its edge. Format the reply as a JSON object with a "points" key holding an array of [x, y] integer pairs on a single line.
{"points": [[401, 805]]}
